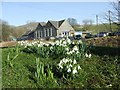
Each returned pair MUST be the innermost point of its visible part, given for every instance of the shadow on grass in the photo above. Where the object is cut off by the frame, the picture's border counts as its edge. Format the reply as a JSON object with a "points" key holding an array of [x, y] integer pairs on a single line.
{"points": [[32, 73], [100, 50]]}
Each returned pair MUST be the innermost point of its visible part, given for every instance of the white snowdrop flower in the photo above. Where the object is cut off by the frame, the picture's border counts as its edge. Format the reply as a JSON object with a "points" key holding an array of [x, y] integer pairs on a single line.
{"points": [[51, 48], [22, 44], [110, 85], [47, 45], [61, 61], [64, 42], [56, 41], [80, 41], [77, 52], [70, 60], [69, 70], [74, 62], [19, 42], [86, 55], [52, 44], [39, 45], [70, 65], [30, 44], [63, 45], [66, 60], [60, 41], [67, 49], [79, 67], [89, 56], [25, 46], [68, 41], [60, 66], [74, 71], [72, 51], [75, 48], [68, 53], [73, 42]]}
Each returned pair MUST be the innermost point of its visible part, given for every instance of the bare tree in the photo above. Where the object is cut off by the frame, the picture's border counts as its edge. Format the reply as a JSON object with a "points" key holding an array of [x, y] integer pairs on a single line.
{"points": [[72, 21], [87, 23], [113, 16]]}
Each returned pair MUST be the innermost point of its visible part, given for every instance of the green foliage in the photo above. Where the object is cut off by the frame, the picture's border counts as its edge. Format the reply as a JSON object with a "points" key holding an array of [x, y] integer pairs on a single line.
{"points": [[42, 77], [19, 75], [10, 61], [99, 71], [11, 58]]}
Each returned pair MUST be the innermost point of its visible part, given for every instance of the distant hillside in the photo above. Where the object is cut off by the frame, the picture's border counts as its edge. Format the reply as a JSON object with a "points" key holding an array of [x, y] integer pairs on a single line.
{"points": [[24, 28], [10, 32], [103, 27], [96, 29]]}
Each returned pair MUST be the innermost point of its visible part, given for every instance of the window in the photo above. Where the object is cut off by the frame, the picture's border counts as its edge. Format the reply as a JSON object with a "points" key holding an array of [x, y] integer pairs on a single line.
{"points": [[38, 34], [50, 31], [41, 33], [45, 32]]}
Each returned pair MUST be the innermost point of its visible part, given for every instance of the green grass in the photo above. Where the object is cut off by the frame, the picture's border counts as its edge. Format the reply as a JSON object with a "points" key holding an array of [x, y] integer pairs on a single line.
{"points": [[99, 71], [19, 75], [100, 28]]}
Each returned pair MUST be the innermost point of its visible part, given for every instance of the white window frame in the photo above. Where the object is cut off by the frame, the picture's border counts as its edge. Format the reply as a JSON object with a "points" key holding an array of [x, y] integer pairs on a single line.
{"points": [[38, 33], [44, 32], [48, 32], [51, 31]]}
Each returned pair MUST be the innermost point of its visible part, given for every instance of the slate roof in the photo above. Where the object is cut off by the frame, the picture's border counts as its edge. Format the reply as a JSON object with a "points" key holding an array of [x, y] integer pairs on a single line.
{"points": [[28, 32], [56, 24], [43, 23], [32, 26]]}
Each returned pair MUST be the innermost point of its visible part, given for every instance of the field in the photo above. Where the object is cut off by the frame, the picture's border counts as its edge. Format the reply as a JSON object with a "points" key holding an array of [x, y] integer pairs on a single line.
{"points": [[43, 66]]}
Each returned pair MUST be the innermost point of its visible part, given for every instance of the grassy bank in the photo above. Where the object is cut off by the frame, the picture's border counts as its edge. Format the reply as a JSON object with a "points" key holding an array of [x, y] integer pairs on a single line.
{"points": [[99, 71]]}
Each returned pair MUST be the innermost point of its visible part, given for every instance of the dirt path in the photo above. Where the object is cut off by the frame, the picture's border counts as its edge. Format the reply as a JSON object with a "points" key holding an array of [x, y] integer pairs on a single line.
{"points": [[8, 44]]}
